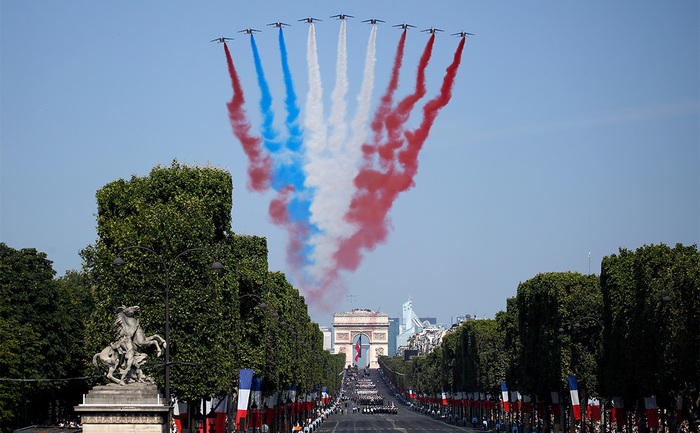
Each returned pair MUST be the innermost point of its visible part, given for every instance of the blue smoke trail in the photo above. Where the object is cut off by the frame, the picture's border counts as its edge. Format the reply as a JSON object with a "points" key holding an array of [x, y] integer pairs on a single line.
{"points": [[292, 173], [296, 134], [270, 135]]}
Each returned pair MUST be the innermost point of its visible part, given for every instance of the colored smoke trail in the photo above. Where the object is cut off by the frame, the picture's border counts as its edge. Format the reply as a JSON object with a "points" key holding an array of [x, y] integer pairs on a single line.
{"points": [[364, 103], [260, 165], [291, 167], [398, 116], [270, 135], [388, 98], [336, 187], [296, 134], [334, 195], [313, 120], [409, 157], [378, 190], [336, 120], [290, 208]]}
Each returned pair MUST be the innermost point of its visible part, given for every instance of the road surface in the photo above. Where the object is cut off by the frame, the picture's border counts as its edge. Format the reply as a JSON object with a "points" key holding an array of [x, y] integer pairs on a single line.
{"points": [[406, 420]]}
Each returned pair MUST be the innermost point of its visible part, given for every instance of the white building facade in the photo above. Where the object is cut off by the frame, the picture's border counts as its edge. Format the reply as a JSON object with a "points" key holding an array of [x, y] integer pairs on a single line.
{"points": [[363, 335]]}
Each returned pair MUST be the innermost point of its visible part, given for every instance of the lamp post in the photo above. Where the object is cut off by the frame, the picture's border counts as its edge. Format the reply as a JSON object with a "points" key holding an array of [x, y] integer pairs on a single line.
{"points": [[215, 266]]}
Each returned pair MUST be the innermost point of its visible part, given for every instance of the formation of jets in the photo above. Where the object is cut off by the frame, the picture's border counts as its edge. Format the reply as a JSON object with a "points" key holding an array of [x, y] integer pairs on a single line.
{"points": [[373, 21], [221, 40]]}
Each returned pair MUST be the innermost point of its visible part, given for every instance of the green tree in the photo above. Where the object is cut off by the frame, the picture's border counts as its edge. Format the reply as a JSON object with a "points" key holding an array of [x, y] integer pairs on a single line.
{"points": [[652, 321], [547, 303], [173, 210], [41, 322]]}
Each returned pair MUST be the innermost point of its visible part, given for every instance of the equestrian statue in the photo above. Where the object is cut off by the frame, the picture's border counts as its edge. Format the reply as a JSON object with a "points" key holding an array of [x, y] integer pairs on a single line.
{"points": [[124, 355]]}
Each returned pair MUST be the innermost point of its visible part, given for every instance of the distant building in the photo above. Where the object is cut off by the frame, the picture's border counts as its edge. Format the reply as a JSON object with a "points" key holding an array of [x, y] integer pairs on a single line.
{"points": [[327, 338], [410, 323], [394, 325], [430, 320], [361, 329]]}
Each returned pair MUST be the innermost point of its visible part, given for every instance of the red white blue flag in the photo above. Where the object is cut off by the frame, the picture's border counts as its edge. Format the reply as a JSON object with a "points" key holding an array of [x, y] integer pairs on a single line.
{"points": [[504, 394], [221, 409], [556, 410], [245, 382], [594, 409], [652, 411], [358, 348], [575, 404]]}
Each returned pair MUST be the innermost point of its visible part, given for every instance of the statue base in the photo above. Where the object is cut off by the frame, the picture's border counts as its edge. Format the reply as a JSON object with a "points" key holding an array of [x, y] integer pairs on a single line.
{"points": [[133, 408]]}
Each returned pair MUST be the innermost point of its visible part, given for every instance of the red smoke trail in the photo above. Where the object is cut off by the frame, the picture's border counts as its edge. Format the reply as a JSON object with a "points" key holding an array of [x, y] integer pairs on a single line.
{"points": [[297, 231], [388, 98], [409, 156], [398, 117], [260, 166], [377, 190]]}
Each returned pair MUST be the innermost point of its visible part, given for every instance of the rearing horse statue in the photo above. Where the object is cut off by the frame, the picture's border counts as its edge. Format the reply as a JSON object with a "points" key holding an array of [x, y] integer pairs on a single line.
{"points": [[124, 354]]}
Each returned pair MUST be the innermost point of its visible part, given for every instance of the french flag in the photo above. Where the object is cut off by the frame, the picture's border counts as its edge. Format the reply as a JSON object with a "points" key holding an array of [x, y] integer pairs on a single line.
{"points": [[220, 408], [358, 348], [556, 411], [652, 411], [575, 404], [245, 382], [180, 415], [619, 412], [594, 409], [256, 397], [443, 397], [504, 395]]}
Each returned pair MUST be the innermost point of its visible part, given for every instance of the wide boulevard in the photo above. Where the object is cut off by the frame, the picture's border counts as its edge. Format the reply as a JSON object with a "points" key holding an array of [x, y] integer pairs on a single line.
{"points": [[406, 420]]}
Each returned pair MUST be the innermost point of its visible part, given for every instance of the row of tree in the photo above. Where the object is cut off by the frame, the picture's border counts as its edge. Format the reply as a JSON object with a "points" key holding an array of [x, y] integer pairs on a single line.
{"points": [[168, 228], [632, 332]]}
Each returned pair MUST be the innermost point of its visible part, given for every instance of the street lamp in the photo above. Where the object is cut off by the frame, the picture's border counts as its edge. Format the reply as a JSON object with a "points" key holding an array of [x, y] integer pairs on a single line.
{"points": [[215, 266]]}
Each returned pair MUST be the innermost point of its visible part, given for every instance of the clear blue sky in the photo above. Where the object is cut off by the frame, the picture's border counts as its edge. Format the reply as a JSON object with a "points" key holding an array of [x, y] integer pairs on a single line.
{"points": [[573, 128]]}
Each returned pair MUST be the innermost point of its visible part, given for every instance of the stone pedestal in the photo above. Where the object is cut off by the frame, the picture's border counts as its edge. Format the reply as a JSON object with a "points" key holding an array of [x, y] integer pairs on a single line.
{"points": [[133, 408]]}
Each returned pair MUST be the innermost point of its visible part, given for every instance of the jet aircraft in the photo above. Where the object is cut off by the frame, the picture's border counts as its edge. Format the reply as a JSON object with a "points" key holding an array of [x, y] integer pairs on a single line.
{"points": [[309, 20], [404, 26], [373, 21], [248, 31], [221, 40], [278, 24], [342, 16], [432, 30], [463, 34]]}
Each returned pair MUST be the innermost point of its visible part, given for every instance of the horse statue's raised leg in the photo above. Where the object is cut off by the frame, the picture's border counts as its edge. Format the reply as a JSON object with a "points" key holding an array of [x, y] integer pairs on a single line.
{"points": [[111, 359]]}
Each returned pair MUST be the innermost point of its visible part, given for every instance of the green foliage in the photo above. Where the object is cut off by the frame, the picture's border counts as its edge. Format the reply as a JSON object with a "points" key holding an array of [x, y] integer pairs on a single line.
{"points": [[41, 337], [549, 302], [220, 321], [663, 335], [173, 210], [639, 319]]}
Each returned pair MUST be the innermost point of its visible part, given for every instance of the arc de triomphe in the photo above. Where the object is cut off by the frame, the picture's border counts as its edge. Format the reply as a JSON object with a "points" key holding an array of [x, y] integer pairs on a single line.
{"points": [[365, 329]]}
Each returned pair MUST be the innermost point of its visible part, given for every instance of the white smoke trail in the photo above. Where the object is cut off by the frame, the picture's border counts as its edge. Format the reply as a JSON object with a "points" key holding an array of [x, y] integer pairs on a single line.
{"points": [[364, 104], [316, 132], [339, 105], [313, 121], [339, 188]]}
